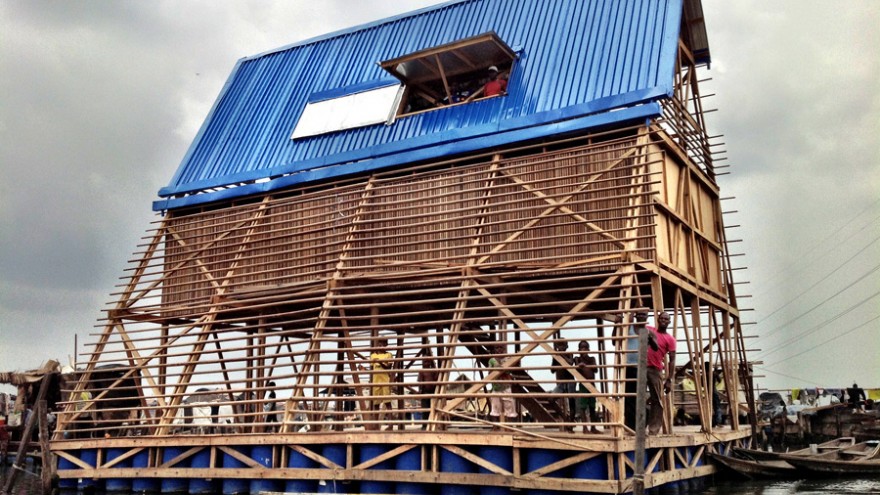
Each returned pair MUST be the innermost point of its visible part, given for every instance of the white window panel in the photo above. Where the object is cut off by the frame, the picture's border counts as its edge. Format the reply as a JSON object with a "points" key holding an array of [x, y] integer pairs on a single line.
{"points": [[374, 106]]}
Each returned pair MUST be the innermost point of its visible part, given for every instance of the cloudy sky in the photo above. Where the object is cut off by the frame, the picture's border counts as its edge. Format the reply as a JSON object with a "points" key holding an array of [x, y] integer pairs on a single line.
{"points": [[99, 101]]}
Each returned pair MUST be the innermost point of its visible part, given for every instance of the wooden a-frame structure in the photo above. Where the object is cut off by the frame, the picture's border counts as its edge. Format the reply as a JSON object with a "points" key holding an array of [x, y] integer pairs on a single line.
{"points": [[252, 322]]}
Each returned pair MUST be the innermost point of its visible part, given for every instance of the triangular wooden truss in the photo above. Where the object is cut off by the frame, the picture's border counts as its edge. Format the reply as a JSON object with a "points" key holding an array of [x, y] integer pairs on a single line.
{"points": [[268, 311]]}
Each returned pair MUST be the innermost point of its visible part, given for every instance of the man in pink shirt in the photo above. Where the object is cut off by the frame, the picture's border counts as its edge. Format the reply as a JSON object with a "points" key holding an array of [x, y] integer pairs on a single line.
{"points": [[496, 85], [656, 364]]}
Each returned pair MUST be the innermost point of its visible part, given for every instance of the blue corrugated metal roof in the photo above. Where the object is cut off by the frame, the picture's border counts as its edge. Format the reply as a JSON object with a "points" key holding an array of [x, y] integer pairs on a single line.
{"points": [[578, 60]]}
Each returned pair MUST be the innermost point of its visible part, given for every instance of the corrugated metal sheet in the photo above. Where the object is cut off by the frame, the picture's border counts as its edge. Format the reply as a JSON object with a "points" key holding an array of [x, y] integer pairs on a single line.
{"points": [[576, 58]]}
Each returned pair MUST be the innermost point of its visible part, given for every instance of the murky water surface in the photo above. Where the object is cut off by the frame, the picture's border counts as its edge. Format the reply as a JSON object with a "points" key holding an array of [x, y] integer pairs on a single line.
{"points": [[800, 487], [29, 484]]}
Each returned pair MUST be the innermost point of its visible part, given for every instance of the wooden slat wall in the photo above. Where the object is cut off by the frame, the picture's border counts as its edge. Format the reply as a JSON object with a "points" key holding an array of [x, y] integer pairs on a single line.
{"points": [[424, 219], [688, 235], [290, 292]]}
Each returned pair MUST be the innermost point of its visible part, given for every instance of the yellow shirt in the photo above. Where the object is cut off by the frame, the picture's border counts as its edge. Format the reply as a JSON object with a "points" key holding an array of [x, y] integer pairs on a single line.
{"points": [[381, 361]]}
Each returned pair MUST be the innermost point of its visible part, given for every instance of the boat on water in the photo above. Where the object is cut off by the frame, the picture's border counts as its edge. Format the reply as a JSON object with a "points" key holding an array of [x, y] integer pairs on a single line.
{"points": [[822, 448], [859, 459], [756, 468], [761, 464]]}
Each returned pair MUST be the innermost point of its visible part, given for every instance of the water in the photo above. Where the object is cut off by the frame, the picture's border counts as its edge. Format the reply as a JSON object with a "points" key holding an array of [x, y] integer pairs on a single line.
{"points": [[26, 483], [29, 484], [800, 487]]}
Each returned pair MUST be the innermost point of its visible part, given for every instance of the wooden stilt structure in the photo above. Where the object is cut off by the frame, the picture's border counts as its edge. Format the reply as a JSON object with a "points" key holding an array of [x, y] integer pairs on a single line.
{"points": [[290, 294], [358, 330]]}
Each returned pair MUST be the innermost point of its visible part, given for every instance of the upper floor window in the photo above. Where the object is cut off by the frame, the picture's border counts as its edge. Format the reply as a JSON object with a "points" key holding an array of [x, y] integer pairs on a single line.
{"points": [[348, 108], [450, 74], [454, 73]]}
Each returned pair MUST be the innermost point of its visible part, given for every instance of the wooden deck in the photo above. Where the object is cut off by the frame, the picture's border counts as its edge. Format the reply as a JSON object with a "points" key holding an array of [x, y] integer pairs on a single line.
{"points": [[580, 462]]}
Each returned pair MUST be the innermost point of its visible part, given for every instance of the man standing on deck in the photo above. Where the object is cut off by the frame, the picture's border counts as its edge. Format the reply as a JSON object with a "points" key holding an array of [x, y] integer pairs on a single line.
{"points": [[656, 364], [856, 396], [428, 376], [632, 367], [586, 405], [564, 379], [503, 408], [380, 379]]}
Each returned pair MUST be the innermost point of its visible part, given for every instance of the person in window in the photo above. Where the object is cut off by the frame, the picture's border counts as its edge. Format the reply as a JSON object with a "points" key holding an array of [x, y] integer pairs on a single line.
{"points": [[496, 85]]}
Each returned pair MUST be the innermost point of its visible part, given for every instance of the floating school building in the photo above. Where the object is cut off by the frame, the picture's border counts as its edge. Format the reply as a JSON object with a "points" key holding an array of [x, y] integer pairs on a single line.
{"points": [[362, 250]]}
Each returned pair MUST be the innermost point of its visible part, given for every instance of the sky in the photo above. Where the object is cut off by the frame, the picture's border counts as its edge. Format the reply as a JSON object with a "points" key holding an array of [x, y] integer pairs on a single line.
{"points": [[99, 101]]}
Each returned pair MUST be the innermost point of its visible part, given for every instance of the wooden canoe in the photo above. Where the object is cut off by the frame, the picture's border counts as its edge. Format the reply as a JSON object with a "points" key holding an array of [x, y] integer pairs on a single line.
{"points": [[862, 458], [757, 469], [822, 448]]}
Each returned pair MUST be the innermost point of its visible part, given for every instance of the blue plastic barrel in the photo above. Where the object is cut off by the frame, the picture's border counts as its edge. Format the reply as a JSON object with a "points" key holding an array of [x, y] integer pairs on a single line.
{"points": [[650, 454], [66, 484], [115, 485], [627, 471], [174, 485], [411, 460], [298, 460], [233, 486], [453, 463], [263, 455], [671, 488], [90, 457], [501, 457], [697, 485], [539, 458], [202, 485], [335, 453], [143, 485], [369, 452], [591, 469]]}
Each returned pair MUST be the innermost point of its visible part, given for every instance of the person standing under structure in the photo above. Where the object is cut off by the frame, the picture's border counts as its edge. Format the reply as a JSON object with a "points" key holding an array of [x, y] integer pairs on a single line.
{"points": [[564, 379], [427, 384], [380, 382], [586, 405], [632, 367], [658, 385], [502, 406]]}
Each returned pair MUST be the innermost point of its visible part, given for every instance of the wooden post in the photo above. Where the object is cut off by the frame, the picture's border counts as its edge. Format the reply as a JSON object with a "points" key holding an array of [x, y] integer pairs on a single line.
{"points": [[48, 466], [641, 406], [26, 436]]}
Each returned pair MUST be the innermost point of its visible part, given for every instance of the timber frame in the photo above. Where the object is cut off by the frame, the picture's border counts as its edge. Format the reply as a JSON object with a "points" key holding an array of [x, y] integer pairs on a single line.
{"points": [[253, 322]]}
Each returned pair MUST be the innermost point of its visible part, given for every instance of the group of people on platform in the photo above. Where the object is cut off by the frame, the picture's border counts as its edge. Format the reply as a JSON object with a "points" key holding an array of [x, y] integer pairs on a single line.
{"points": [[854, 397], [582, 408], [574, 375], [580, 402]]}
